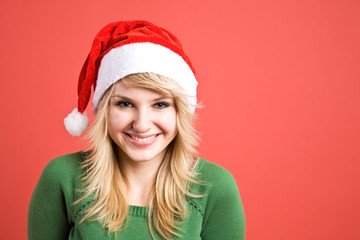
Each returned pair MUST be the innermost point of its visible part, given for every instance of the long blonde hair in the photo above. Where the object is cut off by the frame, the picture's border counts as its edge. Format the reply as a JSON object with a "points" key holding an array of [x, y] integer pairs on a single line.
{"points": [[103, 177]]}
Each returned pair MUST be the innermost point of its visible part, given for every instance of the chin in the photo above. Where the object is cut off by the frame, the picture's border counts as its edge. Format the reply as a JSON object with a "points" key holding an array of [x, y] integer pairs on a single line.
{"points": [[137, 156]]}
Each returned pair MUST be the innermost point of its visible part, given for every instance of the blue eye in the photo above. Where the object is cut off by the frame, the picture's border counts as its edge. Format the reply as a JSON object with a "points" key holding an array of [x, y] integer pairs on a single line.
{"points": [[161, 105], [124, 104]]}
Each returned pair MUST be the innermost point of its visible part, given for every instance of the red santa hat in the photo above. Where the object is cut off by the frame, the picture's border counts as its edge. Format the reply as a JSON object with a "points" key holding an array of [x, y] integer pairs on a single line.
{"points": [[124, 48]]}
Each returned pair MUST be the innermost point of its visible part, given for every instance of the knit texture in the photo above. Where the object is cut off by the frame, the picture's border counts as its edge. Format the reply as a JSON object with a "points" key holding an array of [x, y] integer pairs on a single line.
{"points": [[219, 215]]}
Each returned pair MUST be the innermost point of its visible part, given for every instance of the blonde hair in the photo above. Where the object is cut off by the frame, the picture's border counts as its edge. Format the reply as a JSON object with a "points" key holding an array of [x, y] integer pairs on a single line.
{"points": [[103, 176]]}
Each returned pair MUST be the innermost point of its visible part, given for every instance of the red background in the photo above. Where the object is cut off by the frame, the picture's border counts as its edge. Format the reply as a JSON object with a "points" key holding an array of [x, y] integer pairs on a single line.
{"points": [[280, 81]]}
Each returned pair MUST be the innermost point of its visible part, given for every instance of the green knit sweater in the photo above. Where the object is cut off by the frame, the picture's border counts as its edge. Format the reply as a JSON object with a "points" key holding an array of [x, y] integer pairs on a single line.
{"points": [[52, 215]]}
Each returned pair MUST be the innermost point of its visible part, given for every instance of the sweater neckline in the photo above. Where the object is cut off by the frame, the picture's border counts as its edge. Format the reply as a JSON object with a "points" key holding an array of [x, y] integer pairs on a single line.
{"points": [[138, 211], [142, 211]]}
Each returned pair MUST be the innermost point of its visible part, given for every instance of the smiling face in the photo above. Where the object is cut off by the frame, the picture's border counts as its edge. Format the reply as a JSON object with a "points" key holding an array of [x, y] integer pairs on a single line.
{"points": [[141, 122]]}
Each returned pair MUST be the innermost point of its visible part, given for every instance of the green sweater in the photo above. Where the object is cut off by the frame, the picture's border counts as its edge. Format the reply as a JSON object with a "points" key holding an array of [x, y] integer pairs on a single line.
{"points": [[52, 215]]}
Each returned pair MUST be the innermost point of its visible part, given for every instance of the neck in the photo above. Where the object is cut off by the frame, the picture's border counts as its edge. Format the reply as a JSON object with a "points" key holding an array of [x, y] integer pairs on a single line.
{"points": [[140, 179]]}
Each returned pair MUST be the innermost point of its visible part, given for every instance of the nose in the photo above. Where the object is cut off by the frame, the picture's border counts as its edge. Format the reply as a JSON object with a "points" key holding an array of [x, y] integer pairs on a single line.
{"points": [[142, 121]]}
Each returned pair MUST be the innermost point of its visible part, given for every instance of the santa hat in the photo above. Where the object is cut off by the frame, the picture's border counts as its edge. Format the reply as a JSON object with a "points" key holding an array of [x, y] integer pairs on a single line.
{"points": [[124, 48]]}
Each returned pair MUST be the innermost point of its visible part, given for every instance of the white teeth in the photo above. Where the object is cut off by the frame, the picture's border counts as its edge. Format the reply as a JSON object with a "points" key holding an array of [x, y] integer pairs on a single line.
{"points": [[143, 139]]}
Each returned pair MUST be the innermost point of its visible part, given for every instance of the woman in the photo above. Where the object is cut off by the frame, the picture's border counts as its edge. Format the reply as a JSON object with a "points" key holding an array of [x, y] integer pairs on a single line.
{"points": [[141, 177]]}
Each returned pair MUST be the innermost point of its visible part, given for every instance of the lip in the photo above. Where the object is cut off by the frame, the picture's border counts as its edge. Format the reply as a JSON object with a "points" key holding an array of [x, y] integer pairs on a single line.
{"points": [[142, 143]]}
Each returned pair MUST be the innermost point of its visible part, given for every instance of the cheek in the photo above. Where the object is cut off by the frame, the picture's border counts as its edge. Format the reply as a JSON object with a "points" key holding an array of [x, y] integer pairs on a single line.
{"points": [[168, 122], [116, 121], [113, 121]]}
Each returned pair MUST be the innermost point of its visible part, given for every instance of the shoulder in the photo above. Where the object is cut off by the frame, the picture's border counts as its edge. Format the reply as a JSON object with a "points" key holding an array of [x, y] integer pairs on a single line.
{"points": [[62, 178], [213, 174], [220, 203], [216, 184], [51, 207], [63, 168], [69, 161]]}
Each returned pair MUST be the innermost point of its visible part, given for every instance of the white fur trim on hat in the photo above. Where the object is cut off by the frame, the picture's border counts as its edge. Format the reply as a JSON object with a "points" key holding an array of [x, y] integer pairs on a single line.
{"points": [[144, 57], [76, 123]]}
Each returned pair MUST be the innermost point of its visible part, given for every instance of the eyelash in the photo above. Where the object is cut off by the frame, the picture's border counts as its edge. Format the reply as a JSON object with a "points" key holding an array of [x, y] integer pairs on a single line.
{"points": [[159, 105], [123, 104]]}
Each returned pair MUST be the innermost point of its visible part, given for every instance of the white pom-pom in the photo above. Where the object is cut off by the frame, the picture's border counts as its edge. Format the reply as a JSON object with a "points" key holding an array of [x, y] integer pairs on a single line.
{"points": [[76, 123]]}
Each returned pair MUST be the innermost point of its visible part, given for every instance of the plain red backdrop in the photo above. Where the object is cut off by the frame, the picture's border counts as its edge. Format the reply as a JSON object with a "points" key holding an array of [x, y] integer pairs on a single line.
{"points": [[280, 81]]}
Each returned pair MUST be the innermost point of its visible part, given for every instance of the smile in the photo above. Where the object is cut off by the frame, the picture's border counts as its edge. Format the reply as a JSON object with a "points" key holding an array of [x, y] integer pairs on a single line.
{"points": [[142, 141]]}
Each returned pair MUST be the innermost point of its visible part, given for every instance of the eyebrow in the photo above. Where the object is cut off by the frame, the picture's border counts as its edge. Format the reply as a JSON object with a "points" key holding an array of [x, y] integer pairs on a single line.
{"points": [[129, 99]]}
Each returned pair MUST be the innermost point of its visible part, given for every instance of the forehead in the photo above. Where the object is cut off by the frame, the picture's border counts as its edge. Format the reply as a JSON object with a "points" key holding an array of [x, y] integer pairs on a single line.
{"points": [[137, 92]]}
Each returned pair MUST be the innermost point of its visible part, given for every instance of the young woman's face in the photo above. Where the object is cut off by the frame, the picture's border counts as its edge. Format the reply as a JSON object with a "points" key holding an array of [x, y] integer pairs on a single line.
{"points": [[141, 122]]}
